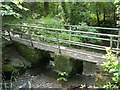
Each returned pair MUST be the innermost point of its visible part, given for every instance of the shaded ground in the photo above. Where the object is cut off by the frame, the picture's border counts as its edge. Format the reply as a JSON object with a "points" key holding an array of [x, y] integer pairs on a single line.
{"points": [[41, 77], [37, 78]]}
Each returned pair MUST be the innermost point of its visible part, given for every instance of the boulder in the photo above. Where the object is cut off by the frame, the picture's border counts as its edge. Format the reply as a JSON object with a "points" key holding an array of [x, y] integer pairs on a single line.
{"points": [[34, 55], [8, 68], [17, 63], [66, 64], [29, 53]]}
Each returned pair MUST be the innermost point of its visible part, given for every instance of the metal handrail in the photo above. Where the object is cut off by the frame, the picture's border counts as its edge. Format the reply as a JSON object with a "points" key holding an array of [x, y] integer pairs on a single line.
{"points": [[104, 28], [70, 42]]}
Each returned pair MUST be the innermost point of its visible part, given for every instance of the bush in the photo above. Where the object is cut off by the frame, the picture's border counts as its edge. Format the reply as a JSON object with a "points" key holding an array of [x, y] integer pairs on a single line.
{"points": [[84, 27], [51, 22], [112, 67]]}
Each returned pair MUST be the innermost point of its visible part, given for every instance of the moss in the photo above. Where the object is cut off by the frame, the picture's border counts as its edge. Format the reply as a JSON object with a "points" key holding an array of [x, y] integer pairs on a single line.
{"points": [[17, 63], [35, 56], [8, 68], [29, 53], [66, 64]]}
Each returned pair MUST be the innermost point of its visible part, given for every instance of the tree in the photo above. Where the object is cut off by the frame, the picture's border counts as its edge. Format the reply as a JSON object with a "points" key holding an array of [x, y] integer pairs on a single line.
{"points": [[8, 8], [46, 7]]}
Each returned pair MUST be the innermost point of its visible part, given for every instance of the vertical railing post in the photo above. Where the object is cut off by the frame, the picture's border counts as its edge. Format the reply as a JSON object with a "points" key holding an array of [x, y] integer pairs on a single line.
{"points": [[21, 31], [118, 43], [30, 37], [8, 31], [111, 41], [70, 37], [9, 35], [42, 35], [58, 43]]}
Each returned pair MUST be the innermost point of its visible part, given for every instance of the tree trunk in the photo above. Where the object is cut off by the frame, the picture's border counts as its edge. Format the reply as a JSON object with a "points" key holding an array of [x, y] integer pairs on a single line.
{"points": [[97, 14], [46, 7], [114, 17], [104, 18], [65, 10]]}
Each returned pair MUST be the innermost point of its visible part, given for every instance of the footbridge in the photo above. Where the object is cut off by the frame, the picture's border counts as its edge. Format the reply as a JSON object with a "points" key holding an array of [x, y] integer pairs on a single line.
{"points": [[85, 43]]}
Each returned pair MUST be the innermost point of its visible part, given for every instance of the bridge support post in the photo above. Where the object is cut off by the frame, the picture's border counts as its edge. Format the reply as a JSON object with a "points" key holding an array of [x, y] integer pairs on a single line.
{"points": [[118, 43], [42, 34], [9, 35], [111, 39], [88, 68], [58, 43], [70, 37], [67, 64], [30, 37]]}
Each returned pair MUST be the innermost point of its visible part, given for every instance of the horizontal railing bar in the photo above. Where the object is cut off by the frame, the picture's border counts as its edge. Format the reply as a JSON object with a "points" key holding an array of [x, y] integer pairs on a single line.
{"points": [[116, 49], [52, 39], [63, 30], [72, 42], [102, 28], [60, 39], [67, 41], [94, 38], [45, 37], [78, 44], [101, 34], [81, 26], [75, 35], [18, 32]]}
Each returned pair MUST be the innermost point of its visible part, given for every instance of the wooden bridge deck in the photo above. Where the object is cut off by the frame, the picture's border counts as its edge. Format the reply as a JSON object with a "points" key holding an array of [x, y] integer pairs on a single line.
{"points": [[74, 53]]}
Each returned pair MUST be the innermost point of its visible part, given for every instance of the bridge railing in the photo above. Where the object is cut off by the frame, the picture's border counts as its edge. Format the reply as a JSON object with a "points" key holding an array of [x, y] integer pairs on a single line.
{"points": [[42, 34], [75, 26]]}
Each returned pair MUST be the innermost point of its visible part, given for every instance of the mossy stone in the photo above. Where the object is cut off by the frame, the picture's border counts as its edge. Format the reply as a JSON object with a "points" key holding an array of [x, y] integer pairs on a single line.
{"points": [[29, 53], [66, 64], [17, 63], [34, 55], [8, 68]]}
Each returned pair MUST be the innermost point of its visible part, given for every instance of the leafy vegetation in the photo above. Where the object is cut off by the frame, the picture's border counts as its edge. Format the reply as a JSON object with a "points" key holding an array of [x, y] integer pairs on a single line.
{"points": [[76, 13], [8, 9], [112, 67], [62, 76]]}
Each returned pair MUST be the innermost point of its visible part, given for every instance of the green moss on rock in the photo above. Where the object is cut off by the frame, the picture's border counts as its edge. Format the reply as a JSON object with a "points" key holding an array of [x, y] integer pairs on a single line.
{"points": [[17, 63], [35, 56], [8, 68], [66, 64], [29, 53]]}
